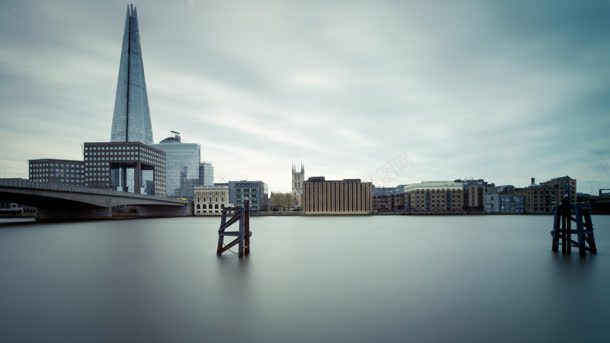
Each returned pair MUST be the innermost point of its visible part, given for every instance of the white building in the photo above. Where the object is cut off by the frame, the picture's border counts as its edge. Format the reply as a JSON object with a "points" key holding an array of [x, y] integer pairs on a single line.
{"points": [[210, 200]]}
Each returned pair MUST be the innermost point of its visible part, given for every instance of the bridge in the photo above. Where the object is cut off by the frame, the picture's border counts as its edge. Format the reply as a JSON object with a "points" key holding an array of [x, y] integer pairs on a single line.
{"points": [[60, 201]]}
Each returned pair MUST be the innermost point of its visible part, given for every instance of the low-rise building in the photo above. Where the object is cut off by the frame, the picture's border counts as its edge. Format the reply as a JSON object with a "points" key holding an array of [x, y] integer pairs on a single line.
{"points": [[210, 200], [504, 200], [541, 198], [348, 196], [70, 172], [256, 191], [384, 198], [434, 197], [474, 194]]}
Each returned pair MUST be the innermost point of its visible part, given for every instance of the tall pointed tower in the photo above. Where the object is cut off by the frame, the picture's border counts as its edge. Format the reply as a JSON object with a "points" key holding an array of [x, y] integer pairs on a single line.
{"points": [[131, 119], [297, 184]]}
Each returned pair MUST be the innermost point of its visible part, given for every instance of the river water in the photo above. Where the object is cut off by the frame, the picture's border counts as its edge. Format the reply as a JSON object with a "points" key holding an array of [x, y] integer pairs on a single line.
{"points": [[308, 279]]}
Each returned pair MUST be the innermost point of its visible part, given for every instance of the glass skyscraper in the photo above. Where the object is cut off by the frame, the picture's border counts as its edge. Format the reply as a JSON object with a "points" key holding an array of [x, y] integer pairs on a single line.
{"points": [[131, 119], [206, 174], [182, 166]]}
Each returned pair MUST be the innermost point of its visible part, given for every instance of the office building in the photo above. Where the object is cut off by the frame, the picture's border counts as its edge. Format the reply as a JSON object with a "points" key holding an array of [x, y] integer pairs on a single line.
{"points": [[131, 119], [298, 177], [125, 166], [206, 174], [210, 200], [348, 196], [182, 166], [68, 172], [434, 197], [256, 191]]}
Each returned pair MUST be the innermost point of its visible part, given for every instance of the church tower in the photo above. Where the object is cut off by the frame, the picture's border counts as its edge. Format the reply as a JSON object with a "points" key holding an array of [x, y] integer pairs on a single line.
{"points": [[297, 184]]}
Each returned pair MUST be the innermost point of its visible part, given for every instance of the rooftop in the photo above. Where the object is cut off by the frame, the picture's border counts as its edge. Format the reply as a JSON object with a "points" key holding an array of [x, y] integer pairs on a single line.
{"points": [[426, 185]]}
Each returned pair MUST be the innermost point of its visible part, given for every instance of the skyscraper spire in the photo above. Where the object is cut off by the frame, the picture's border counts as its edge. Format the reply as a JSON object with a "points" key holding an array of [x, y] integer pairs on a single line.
{"points": [[131, 119]]}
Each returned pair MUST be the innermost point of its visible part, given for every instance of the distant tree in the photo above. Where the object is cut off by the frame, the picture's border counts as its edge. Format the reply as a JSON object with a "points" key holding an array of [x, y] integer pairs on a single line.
{"points": [[281, 201]]}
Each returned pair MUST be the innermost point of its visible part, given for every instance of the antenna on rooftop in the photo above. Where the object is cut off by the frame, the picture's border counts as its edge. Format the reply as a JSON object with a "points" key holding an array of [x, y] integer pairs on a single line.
{"points": [[176, 135]]}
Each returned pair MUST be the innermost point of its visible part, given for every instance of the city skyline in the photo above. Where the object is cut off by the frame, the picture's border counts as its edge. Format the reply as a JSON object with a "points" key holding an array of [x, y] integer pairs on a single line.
{"points": [[345, 90]]}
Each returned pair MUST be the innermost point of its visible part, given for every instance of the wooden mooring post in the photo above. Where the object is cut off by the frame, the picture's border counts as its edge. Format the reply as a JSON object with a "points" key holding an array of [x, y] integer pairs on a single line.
{"points": [[240, 215], [562, 228]]}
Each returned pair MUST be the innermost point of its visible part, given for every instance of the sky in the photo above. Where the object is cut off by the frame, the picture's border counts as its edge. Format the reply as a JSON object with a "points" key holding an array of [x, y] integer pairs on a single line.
{"points": [[392, 92]]}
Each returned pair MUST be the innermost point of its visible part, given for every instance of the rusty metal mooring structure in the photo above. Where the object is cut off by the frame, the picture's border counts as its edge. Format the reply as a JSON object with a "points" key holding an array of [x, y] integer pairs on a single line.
{"points": [[240, 214], [562, 228]]}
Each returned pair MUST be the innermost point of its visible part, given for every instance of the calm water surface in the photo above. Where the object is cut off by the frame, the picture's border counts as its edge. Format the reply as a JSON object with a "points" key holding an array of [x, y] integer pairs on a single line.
{"points": [[336, 279]]}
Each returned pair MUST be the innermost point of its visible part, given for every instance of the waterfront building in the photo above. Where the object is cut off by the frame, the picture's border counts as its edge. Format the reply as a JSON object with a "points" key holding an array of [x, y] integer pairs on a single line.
{"points": [[70, 172], [380, 191], [434, 197], [131, 119], [256, 191], [210, 200], [383, 203], [125, 166], [400, 198], [474, 194], [561, 186], [181, 166], [206, 174], [298, 177], [503, 199], [385, 199], [347, 196], [541, 198]]}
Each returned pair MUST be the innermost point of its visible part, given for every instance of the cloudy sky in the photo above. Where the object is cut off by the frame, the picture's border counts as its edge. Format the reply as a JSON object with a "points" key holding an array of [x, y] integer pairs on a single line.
{"points": [[389, 91]]}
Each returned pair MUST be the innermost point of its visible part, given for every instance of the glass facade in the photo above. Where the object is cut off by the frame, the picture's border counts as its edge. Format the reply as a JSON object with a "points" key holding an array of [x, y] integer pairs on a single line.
{"points": [[131, 120], [182, 168], [206, 174]]}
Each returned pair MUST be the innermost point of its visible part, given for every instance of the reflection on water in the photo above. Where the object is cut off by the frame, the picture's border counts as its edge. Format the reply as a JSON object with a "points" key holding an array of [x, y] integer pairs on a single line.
{"points": [[334, 279], [14, 220]]}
